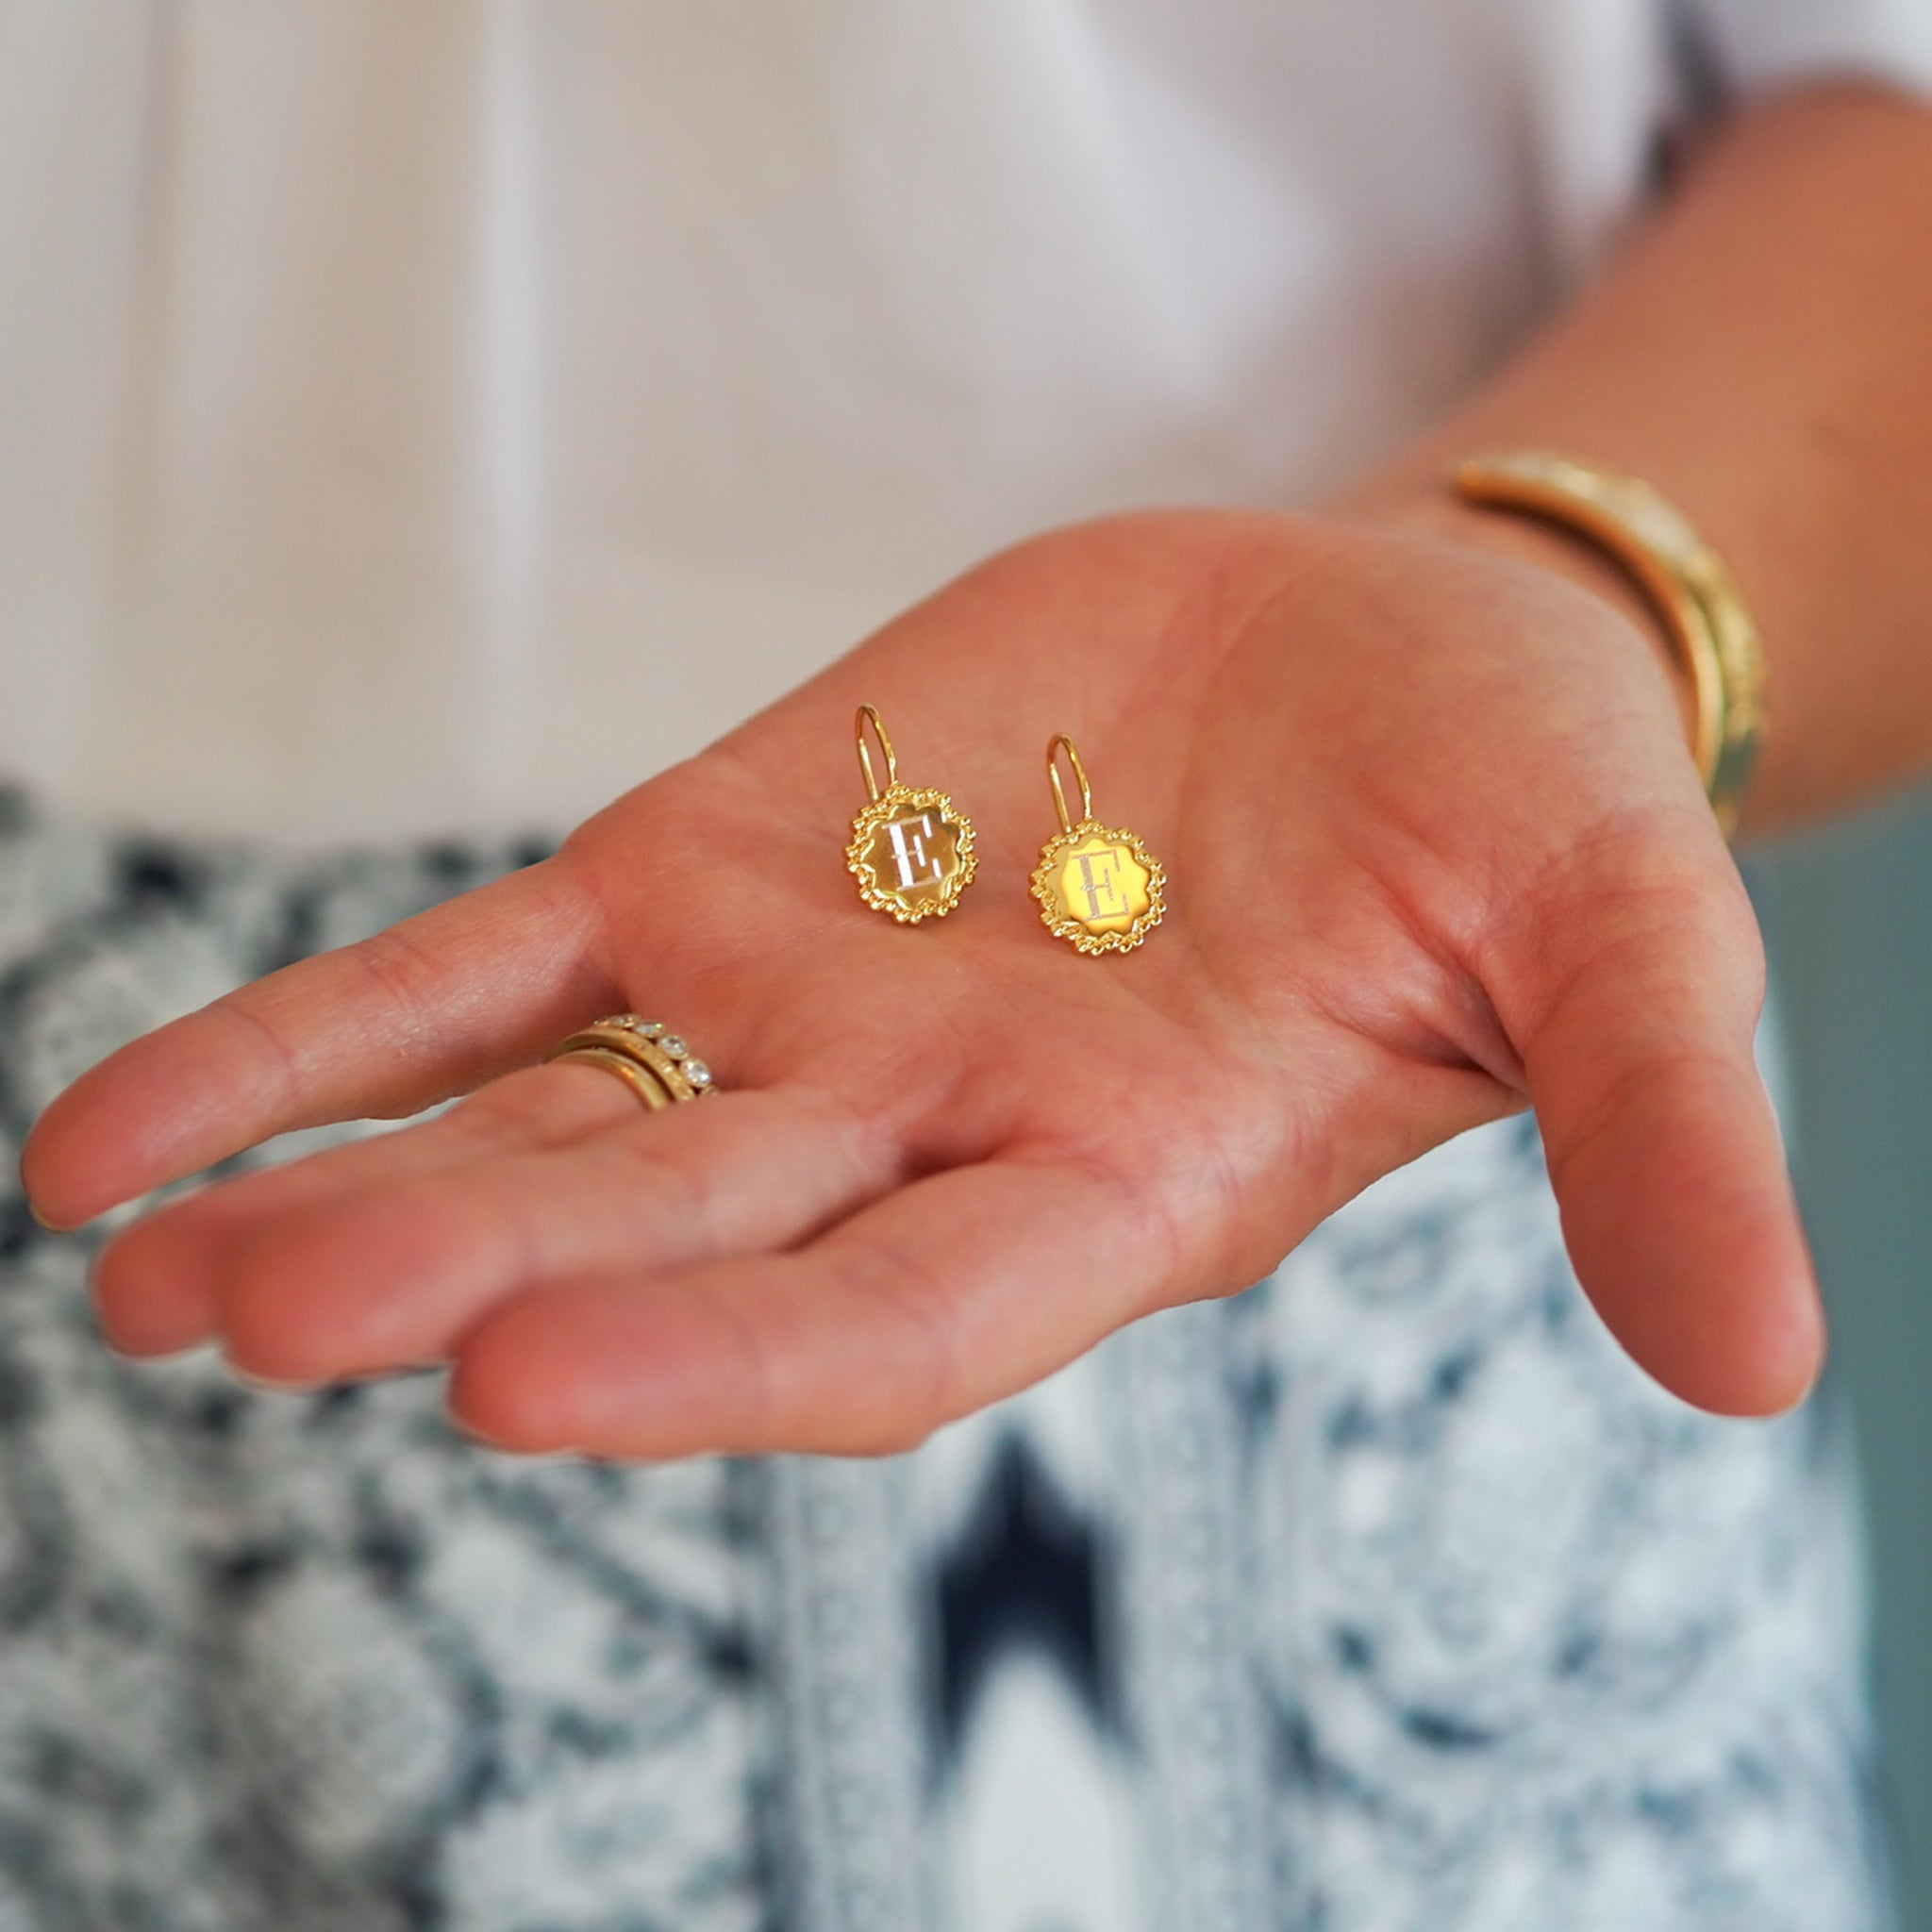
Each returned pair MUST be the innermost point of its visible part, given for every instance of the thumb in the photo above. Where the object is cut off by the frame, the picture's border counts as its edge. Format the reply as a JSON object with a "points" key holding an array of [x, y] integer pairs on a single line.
{"points": [[1632, 993]]}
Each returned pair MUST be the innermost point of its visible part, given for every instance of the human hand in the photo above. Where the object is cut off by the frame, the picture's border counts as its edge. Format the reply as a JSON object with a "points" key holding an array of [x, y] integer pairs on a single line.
{"points": [[1434, 847]]}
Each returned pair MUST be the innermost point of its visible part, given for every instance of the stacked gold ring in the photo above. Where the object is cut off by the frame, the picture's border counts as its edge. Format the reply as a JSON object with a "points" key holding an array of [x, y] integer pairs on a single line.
{"points": [[655, 1063]]}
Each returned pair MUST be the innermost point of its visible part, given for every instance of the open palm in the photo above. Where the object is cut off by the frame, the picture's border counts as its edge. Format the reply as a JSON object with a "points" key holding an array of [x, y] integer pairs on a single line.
{"points": [[1433, 846]]}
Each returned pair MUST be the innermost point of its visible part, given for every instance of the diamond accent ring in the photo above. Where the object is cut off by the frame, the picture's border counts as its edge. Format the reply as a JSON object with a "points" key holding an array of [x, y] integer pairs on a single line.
{"points": [[655, 1063]]}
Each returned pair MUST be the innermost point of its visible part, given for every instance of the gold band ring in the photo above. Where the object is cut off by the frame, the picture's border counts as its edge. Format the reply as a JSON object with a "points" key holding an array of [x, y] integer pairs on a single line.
{"points": [[655, 1063], [640, 1083]]}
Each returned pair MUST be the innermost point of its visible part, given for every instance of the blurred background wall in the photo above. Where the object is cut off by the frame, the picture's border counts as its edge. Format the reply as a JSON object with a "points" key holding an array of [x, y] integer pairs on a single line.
{"points": [[1848, 918]]}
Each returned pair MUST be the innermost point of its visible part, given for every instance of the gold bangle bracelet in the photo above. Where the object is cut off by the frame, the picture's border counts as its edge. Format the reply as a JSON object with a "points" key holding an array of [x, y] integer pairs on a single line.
{"points": [[1688, 583]]}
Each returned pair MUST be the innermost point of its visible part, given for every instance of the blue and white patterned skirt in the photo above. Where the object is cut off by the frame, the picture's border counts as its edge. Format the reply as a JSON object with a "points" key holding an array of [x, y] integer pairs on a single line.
{"points": [[1386, 1596]]}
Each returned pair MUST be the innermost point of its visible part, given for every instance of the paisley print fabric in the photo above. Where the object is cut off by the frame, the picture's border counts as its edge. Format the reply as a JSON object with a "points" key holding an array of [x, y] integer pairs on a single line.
{"points": [[1386, 1596]]}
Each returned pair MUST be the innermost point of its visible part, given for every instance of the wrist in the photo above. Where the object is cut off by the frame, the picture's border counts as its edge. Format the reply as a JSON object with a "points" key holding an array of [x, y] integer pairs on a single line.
{"points": [[1432, 510]]}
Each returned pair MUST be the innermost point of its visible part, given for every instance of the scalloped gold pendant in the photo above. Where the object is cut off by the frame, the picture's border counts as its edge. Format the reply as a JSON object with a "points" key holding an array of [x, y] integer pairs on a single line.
{"points": [[1099, 888], [911, 849]]}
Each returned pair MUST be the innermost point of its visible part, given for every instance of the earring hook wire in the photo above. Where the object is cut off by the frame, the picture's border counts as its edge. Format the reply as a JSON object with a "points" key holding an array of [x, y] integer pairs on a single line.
{"points": [[1061, 742], [868, 715]]}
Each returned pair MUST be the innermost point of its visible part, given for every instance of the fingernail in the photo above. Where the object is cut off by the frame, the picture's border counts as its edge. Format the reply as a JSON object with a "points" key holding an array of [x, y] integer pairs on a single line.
{"points": [[267, 1385], [52, 1227], [1804, 1394], [482, 1436], [144, 1356], [464, 1426]]}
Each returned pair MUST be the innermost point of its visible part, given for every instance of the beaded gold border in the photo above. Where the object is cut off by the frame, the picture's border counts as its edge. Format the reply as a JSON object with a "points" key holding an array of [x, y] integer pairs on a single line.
{"points": [[890, 803], [1075, 934]]}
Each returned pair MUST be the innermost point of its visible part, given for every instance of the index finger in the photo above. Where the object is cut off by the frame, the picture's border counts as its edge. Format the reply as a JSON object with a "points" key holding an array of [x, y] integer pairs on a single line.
{"points": [[429, 1007]]}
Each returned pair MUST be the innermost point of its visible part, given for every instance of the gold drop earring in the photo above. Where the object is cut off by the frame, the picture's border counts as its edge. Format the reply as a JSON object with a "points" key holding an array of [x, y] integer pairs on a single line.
{"points": [[911, 849], [1098, 887]]}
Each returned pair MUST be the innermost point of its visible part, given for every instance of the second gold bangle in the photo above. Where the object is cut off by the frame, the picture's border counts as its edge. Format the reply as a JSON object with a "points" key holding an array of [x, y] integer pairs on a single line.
{"points": [[1686, 580]]}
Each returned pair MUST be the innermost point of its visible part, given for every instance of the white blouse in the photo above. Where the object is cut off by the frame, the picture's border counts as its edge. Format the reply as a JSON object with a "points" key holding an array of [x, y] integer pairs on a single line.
{"points": [[441, 418]]}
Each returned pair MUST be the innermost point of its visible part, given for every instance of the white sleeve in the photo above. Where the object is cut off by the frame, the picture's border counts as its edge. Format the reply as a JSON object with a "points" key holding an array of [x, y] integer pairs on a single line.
{"points": [[1759, 43]]}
